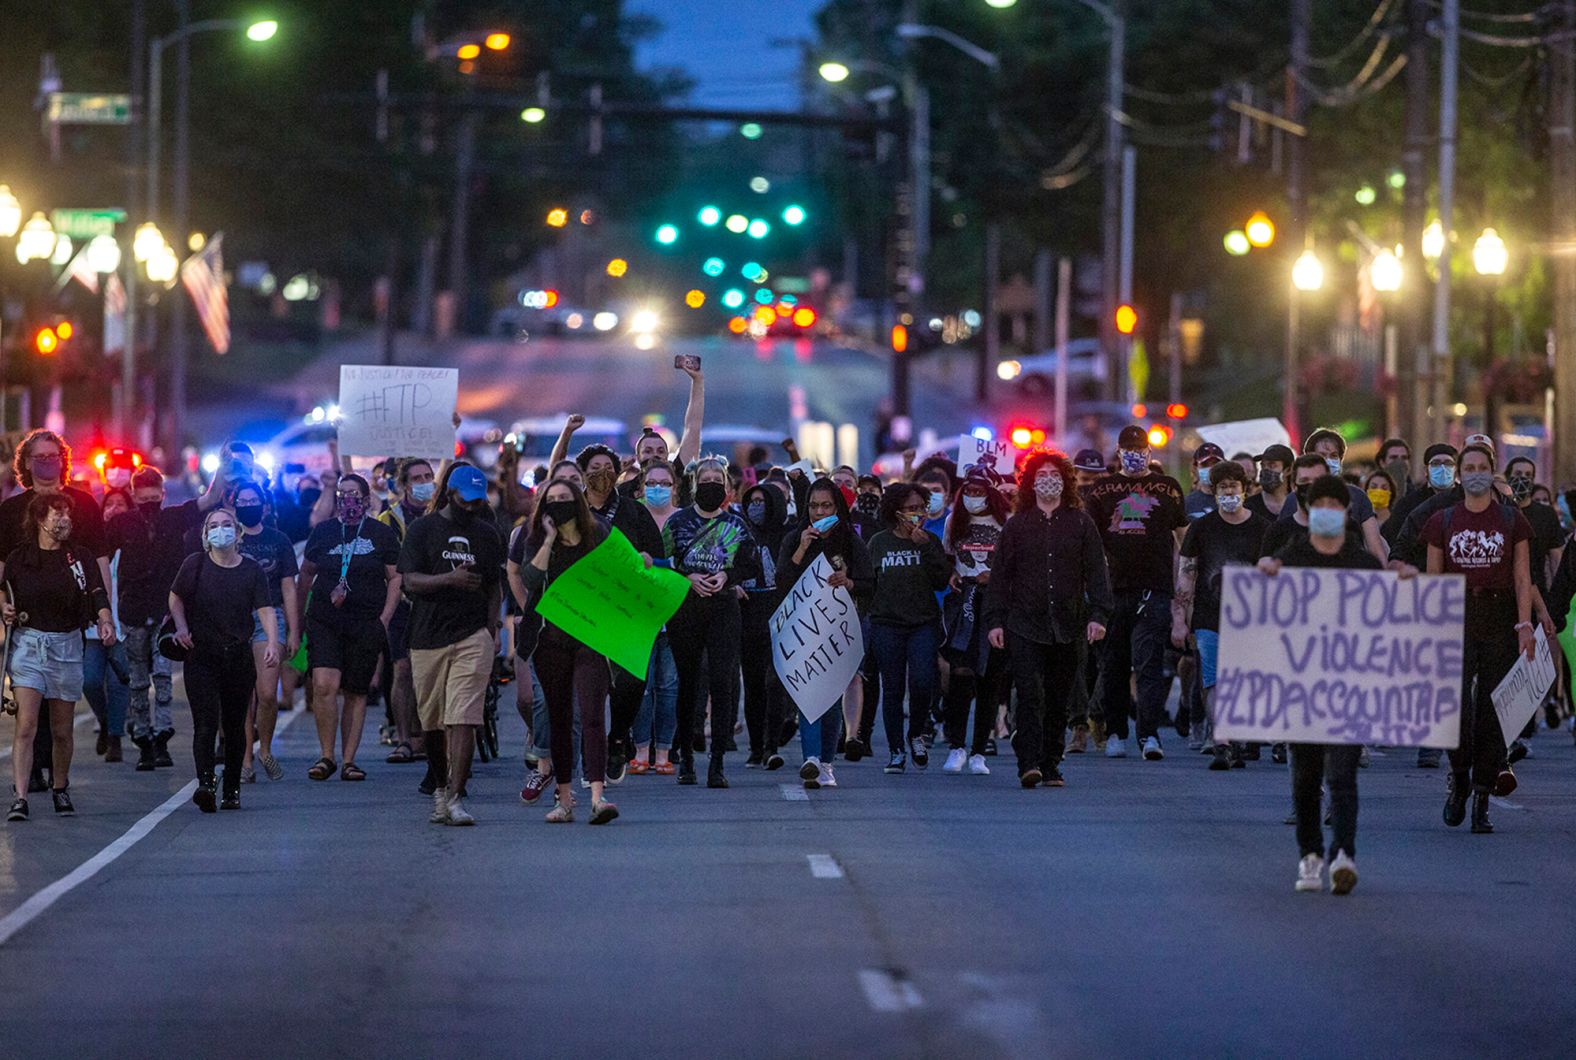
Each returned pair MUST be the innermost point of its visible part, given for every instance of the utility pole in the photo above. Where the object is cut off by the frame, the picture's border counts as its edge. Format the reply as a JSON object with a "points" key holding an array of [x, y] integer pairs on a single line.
{"points": [[1111, 202], [178, 338], [459, 224], [1439, 362], [126, 408], [1297, 206], [1562, 152], [990, 348], [1124, 276], [1413, 304]]}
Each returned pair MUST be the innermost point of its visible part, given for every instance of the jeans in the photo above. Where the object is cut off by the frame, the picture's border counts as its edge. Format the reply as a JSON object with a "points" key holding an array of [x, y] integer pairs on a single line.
{"points": [[1336, 765], [1135, 642], [540, 726], [142, 662], [704, 636], [1489, 644], [907, 658], [985, 691], [1044, 675], [871, 672], [219, 686], [106, 693], [659, 706], [575, 682], [818, 738], [764, 696]]}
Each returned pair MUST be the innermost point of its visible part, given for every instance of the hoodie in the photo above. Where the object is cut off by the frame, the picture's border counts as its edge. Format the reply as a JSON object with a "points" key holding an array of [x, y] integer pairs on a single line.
{"points": [[765, 590]]}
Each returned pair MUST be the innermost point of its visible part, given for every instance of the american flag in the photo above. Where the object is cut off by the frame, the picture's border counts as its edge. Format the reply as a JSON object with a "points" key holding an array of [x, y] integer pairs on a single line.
{"points": [[203, 275], [114, 315]]}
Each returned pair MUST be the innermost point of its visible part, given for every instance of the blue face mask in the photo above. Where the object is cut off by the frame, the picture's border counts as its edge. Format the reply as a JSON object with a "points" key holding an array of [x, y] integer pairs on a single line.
{"points": [[422, 492], [1334, 464], [659, 496], [938, 501], [1134, 461], [823, 525], [1441, 476], [1203, 476], [1326, 522]]}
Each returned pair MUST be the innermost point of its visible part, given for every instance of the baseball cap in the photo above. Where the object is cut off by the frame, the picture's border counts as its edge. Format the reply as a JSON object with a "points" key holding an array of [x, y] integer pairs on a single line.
{"points": [[1089, 460], [1207, 450], [1281, 453], [468, 482], [1479, 439], [1133, 437], [1439, 449]]}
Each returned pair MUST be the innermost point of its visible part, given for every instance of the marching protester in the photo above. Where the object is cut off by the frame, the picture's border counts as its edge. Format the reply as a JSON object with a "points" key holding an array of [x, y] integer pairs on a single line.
{"points": [[1487, 541], [1201, 501], [217, 600], [104, 667], [1327, 544], [713, 548], [1329, 446], [978, 670], [418, 485], [1382, 493], [766, 512], [1274, 481], [271, 550], [826, 528], [574, 677], [910, 569], [350, 588], [657, 720], [1048, 591], [1395, 458], [50, 590], [451, 566]]}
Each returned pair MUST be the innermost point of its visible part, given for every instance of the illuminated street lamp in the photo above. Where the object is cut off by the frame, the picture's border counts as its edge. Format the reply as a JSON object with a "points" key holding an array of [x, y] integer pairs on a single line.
{"points": [[146, 242], [162, 265], [1307, 272], [10, 213], [36, 242], [834, 72], [1433, 240], [103, 254], [1489, 256], [261, 31], [1385, 272], [1260, 230]]}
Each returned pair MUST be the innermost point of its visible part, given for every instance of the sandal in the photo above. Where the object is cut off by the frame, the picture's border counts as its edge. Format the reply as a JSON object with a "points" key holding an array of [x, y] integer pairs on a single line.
{"points": [[638, 768], [322, 769], [351, 771], [401, 754], [665, 768], [271, 766]]}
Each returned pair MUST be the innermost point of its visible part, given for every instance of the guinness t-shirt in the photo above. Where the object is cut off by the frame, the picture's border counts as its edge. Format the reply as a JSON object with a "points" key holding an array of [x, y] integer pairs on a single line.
{"points": [[435, 544]]}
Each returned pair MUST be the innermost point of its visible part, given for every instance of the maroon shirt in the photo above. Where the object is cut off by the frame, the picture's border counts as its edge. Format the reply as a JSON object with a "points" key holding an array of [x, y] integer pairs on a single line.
{"points": [[1481, 545]]}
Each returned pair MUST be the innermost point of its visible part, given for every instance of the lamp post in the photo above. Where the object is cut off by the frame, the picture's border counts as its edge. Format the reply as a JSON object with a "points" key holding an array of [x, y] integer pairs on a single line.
{"points": [[1307, 275], [1489, 259]]}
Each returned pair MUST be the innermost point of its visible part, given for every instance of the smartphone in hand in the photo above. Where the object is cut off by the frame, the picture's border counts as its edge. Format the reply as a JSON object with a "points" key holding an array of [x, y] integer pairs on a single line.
{"points": [[686, 362]]}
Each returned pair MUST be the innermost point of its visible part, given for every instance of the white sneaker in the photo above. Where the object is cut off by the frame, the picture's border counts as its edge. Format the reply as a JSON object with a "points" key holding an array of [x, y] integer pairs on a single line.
{"points": [[440, 806], [1310, 873], [458, 814], [1115, 747], [1343, 873], [955, 759], [826, 778], [1152, 751], [978, 767], [811, 768]]}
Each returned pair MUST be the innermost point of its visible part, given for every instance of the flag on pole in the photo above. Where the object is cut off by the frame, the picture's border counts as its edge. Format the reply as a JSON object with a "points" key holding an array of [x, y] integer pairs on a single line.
{"points": [[78, 269], [203, 276], [114, 315]]}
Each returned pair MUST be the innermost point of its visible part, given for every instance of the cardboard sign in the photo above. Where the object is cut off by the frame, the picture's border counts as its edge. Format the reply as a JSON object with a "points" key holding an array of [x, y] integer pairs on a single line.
{"points": [[816, 642], [397, 411], [1315, 655], [1246, 436], [993, 455], [1520, 694], [611, 602]]}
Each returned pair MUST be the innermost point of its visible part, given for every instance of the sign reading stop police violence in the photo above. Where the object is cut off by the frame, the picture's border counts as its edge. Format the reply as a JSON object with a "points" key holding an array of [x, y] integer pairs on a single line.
{"points": [[816, 643], [1314, 655]]}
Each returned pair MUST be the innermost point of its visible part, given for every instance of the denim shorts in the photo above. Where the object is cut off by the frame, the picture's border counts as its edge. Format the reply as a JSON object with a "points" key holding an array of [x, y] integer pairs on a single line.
{"points": [[1208, 641], [50, 663], [259, 636]]}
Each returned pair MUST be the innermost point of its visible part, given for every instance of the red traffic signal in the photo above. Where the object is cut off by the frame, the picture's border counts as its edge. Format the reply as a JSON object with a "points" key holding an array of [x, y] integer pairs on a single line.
{"points": [[46, 342], [1176, 410]]}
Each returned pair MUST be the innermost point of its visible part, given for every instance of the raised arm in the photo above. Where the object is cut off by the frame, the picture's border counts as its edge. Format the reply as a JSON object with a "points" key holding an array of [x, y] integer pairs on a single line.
{"points": [[694, 415], [573, 423]]}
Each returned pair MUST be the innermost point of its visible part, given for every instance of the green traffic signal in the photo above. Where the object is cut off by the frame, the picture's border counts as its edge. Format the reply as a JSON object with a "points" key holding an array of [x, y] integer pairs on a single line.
{"points": [[709, 216], [733, 298], [713, 266], [793, 214], [667, 235]]}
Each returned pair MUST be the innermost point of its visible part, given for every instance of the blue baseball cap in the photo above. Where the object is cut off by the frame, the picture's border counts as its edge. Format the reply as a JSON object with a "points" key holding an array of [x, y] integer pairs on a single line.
{"points": [[468, 482]]}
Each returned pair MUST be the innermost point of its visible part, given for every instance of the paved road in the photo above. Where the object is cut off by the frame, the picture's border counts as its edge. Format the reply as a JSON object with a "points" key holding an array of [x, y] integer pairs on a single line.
{"points": [[1144, 910]]}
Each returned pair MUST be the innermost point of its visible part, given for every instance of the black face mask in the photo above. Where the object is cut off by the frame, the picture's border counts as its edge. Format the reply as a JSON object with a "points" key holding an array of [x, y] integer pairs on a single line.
{"points": [[562, 513], [869, 503], [309, 497], [149, 508], [249, 515], [756, 511], [1302, 497], [709, 496], [1521, 486]]}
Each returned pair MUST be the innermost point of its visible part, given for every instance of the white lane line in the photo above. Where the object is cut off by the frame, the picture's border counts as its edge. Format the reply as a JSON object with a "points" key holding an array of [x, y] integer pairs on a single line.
{"points": [[1497, 801], [794, 792], [886, 992], [82, 719], [824, 867], [34, 907]]}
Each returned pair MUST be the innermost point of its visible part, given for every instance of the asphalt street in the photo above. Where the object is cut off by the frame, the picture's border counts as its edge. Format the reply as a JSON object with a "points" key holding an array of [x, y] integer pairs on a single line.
{"points": [[1144, 910]]}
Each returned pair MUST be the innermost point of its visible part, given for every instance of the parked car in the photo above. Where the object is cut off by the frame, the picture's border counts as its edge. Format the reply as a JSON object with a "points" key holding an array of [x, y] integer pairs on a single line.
{"points": [[1036, 375]]}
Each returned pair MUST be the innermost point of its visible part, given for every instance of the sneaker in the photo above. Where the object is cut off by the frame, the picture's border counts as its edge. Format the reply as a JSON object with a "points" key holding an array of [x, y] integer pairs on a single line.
{"points": [[1152, 751], [774, 761], [458, 814], [811, 768], [535, 784], [827, 779], [1343, 873], [1115, 746], [1053, 777], [687, 771], [753, 762], [978, 767], [896, 764], [63, 805], [1310, 873], [1031, 777], [920, 752], [813, 780], [18, 811], [1518, 751], [560, 814], [955, 760], [603, 812], [854, 750], [440, 806], [990, 748], [1078, 742], [230, 801], [1195, 741], [1278, 754], [1222, 759]]}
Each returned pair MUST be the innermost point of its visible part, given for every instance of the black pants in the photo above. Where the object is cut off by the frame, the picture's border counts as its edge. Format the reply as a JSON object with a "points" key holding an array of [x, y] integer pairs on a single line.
{"points": [[870, 670], [1336, 766], [1135, 642], [704, 636], [1044, 674], [219, 685], [1489, 644], [574, 682], [985, 691], [764, 697], [623, 707], [1085, 700]]}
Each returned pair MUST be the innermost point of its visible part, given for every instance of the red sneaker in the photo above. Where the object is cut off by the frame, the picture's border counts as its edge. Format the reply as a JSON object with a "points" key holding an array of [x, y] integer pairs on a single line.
{"points": [[535, 784]]}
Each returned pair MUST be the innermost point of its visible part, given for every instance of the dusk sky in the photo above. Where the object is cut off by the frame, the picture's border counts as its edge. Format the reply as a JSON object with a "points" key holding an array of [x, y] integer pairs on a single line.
{"points": [[727, 47]]}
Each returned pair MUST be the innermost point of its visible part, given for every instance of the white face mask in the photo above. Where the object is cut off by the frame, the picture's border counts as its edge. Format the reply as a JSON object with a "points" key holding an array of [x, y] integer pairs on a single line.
{"points": [[975, 505], [937, 503], [1229, 504], [221, 536], [1048, 484]]}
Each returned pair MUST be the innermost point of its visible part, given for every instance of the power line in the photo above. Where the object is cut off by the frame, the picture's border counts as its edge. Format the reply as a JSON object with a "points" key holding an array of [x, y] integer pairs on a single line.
{"points": [[1350, 47]]}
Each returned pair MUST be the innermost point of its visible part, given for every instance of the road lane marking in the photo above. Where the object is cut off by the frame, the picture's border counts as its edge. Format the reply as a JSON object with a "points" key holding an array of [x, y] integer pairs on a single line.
{"points": [[824, 867], [888, 992], [794, 792], [1497, 801]]}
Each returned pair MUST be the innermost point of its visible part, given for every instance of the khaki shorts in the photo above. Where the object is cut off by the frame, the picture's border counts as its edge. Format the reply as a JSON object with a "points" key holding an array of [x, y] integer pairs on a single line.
{"points": [[451, 682]]}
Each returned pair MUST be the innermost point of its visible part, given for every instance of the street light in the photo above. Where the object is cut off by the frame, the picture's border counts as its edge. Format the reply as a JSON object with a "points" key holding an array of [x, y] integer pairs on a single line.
{"points": [[103, 254], [834, 72], [1260, 230], [1385, 272], [1489, 256], [1307, 272], [10, 213], [36, 241], [261, 31], [1433, 240], [146, 242]]}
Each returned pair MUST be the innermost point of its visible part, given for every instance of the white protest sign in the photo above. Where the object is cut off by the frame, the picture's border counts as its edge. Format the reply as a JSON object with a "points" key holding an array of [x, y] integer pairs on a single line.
{"points": [[985, 453], [397, 411], [816, 643], [1317, 655], [1519, 694], [1245, 436]]}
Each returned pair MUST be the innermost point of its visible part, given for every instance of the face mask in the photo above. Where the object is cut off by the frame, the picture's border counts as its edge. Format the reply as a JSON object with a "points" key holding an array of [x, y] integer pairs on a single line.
{"points": [[249, 515], [756, 512], [1048, 484], [709, 496], [221, 536], [562, 513], [1302, 496], [117, 477], [1203, 475], [1134, 461], [46, 468], [1441, 476], [1477, 483], [1327, 522], [600, 481], [824, 525], [351, 509], [1334, 464], [422, 492], [915, 518], [869, 503], [1270, 480], [1399, 470], [1521, 486], [659, 496], [1379, 498], [150, 508], [60, 529], [1229, 504], [310, 497], [975, 505], [936, 503]]}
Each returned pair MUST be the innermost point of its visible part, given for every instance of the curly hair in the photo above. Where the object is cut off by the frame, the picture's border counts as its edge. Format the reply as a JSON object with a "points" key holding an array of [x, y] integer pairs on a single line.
{"points": [[38, 510], [1058, 461], [24, 455], [897, 495]]}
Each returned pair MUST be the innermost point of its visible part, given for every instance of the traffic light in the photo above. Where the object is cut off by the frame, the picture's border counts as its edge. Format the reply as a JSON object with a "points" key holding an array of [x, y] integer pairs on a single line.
{"points": [[695, 299], [709, 216], [1140, 410], [1026, 437], [1260, 230], [1126, 319], [804, 316], [1159, 435], [793, 215], [64, 330], [1176, 411], [713, 266], [899, 338], [46, 342], [733, 298], [667, 235]]}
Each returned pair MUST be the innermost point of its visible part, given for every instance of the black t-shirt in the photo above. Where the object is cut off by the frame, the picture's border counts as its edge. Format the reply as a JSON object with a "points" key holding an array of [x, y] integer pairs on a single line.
{"points": [[371, 549], [435, 544], [1547, 535], [58, 588], [271, 550], [87, 522], [220, 600], [152, 549], [1260, 507], [1301, 553], [1214, 543], [1137, 518]]}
